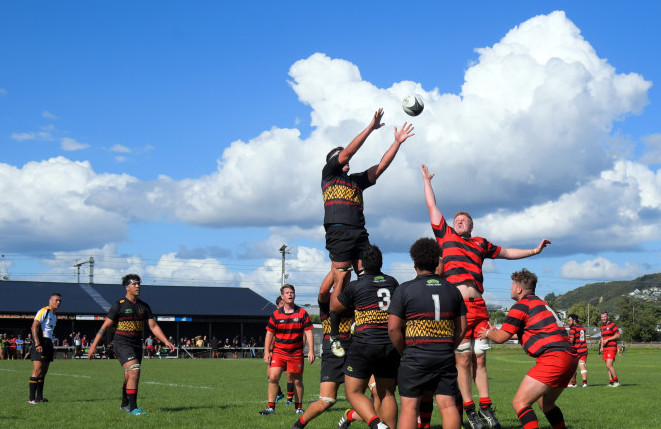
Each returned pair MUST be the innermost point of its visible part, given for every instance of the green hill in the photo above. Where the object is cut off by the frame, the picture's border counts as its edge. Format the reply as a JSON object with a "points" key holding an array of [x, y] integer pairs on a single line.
{"points": [[604, 294]]}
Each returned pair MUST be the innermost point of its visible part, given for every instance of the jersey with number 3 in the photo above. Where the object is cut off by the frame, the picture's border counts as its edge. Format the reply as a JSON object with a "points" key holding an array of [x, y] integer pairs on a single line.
{"points": [[370, 297], [537, 326]]}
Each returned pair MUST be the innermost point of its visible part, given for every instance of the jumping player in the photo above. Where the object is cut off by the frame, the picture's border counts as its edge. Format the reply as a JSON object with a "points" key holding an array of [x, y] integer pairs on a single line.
{"points": [[286, 329], [608, 347], [463, 256], [129, 315], [426, 323], [577, 337], [41, 351], [344, 220], [332, 367], [371, 352], [544, 337]]}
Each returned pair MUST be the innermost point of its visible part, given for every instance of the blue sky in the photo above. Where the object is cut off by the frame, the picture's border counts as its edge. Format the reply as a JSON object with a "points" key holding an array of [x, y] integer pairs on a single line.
{"points": [[185, 141]]}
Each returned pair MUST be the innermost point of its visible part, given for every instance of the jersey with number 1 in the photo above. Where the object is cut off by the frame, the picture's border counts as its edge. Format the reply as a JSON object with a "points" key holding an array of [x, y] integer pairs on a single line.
{"points": [[370, 297], [537, 326]]}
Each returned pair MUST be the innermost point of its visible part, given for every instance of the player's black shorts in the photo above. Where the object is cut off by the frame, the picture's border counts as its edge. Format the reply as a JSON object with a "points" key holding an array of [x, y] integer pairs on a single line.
{"points": [[47, 351], [345, 242], [380, 360], [332, 368], [412, 382], [127, 352]]}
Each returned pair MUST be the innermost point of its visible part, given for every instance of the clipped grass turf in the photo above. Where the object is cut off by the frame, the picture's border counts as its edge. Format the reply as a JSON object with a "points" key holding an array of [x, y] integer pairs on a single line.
{"points": [[226, 393]]}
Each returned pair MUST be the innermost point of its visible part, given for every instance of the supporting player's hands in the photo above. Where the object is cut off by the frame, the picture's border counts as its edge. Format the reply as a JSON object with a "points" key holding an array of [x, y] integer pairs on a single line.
{"points": [[311, 356], [403, 133], [376, 120], [425, 173], [482, 334]]}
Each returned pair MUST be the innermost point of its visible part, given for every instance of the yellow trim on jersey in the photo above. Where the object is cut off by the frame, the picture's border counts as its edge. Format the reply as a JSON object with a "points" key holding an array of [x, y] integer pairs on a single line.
{"points": [[40, 314]]}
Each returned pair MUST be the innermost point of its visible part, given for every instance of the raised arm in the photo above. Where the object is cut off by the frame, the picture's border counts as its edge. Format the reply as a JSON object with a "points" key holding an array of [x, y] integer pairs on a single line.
{"points": [[434, 213], [523, 253], [351, 149], [400, 137]]}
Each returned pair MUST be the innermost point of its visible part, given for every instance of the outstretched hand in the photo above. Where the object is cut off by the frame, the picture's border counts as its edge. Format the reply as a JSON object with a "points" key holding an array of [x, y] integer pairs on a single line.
{"points": [[405, 132], [425, 173], [545, 242], [376, 120]]}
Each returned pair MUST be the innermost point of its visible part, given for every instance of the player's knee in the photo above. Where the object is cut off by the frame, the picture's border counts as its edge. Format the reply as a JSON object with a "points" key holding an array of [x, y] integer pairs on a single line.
{"points": [[327, 402]]}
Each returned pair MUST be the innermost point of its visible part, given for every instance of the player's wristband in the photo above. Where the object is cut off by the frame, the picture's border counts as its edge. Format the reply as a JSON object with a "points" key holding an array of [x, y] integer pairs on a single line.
{"points": [[488, 332]]}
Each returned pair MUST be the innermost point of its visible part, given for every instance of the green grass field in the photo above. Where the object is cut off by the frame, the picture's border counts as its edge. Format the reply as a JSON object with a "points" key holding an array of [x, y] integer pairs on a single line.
{"points": [[229, 393]]}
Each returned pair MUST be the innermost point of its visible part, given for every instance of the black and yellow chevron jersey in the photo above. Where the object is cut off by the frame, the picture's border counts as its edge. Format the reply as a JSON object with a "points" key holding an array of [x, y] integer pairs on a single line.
{"points": [[343, 194], [346, 320], [429, 306], [370, 297], [129, 319]]}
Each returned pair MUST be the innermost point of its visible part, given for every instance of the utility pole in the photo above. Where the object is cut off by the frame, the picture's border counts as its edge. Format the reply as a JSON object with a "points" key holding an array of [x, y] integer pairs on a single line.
{"points": [[284, 250], [89, 261]]}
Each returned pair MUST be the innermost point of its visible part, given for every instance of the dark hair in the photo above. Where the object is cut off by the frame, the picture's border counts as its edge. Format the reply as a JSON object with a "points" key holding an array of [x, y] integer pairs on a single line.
{"points": [[56, 294], [372, 259], [425, 253], [604, 312], [287, 286], [277, 300], [574, 317], [332, 152], [127, 279], [526, 279]]}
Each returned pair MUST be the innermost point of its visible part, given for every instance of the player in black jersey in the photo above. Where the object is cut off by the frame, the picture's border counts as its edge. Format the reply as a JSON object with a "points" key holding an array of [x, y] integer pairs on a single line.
{"points": [[344, 221], [426, 323], [129, 315], [332, 367], [371, 352]]}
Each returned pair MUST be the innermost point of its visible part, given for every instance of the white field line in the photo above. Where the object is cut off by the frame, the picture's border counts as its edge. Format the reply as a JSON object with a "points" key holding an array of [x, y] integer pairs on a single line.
{"points": [[8, 370], [69, 375], [190, 386]]}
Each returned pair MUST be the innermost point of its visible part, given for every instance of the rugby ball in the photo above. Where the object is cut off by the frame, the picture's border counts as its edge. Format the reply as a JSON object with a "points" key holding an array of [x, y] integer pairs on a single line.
{"points": [[413, 105]]}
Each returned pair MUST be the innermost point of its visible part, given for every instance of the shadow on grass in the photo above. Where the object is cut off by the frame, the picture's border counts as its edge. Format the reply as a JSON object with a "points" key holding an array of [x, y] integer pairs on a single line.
{"points": [[196, 407]]}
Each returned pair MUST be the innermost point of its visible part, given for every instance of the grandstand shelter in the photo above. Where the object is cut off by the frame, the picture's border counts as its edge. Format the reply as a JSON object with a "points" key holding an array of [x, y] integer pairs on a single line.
{"points": [[181, 311]]}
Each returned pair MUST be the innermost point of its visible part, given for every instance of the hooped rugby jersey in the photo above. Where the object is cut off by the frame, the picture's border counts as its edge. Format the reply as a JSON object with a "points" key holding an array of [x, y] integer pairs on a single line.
{"points": [[463, 257], [537, 326], [607, 330], [577, 337], [288, 330]]}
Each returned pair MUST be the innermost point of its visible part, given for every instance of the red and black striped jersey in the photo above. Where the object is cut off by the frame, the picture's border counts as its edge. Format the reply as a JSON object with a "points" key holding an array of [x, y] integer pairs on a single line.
{"points": [[288, 329], [608, 330], [537, 326], [463, 257], [577, 337]]}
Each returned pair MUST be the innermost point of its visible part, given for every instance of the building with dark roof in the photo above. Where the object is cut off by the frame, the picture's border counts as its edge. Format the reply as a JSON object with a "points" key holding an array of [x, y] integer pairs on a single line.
{"points": [[181, 311]]}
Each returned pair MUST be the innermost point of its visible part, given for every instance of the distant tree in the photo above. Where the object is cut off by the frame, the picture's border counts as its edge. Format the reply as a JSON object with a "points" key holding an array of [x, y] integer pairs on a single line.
{"points": [[638, 319], [315, 318], [497, 317]]}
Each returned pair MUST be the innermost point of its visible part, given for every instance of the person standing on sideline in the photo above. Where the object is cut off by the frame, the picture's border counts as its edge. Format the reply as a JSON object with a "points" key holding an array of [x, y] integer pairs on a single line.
{"points": [[426, 323], [608, 347], [463, 256], [286, 331], [344, 221], [42, 350], [544, 337], [332, 367], [577, 337], [129, 315], [372, 352]]}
